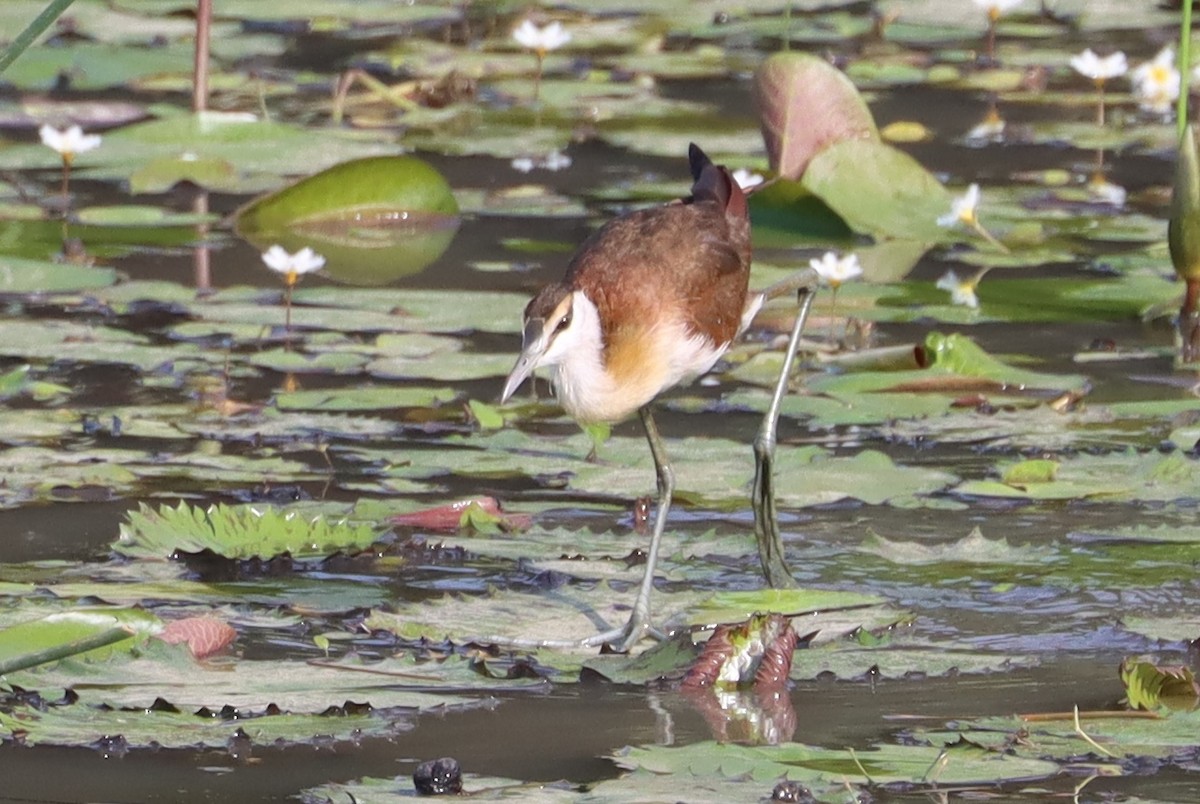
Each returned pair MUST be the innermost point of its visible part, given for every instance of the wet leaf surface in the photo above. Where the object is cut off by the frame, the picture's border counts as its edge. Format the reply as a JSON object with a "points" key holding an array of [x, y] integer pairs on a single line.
{"points": [[1023, 503]]}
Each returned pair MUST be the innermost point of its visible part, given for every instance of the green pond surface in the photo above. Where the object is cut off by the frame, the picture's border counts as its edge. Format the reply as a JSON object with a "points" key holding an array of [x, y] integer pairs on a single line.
{"points": [[984, 534]]}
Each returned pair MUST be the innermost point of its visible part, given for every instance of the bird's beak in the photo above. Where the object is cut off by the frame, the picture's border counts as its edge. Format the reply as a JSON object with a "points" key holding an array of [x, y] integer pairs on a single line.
{"points": [[532, 349]]}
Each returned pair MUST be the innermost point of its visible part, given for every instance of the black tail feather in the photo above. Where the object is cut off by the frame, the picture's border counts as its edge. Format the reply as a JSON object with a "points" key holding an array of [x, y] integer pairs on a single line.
{"points": [[712, 182]]}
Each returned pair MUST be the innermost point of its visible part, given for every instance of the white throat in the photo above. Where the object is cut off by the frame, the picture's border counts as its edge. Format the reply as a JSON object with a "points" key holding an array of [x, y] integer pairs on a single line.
{"points": [[577, 358], [593, 390]]}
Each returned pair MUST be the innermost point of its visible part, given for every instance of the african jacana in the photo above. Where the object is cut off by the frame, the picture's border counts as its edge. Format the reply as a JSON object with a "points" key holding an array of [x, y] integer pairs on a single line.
{"points": [[651, 300]]}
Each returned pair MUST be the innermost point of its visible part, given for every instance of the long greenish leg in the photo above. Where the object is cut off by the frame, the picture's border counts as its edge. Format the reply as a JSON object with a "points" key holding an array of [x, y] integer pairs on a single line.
{"points": [[639, 626], [766, 520]]}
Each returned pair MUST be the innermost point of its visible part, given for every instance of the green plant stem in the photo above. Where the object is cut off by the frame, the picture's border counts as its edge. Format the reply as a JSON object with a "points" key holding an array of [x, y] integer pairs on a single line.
{"points": [[66, 185], [32, 31], [537, 81], [287, 315], [989, 237], [25, 661], [1185, 60]]}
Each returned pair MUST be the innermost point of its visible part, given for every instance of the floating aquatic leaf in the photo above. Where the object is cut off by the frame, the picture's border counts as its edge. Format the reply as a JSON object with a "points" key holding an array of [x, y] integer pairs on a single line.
{"points": [[61, 630], [1033, 471], [96, 65], [879, 190], [954, 364], [138, 215], [903, 660], [832, 768], [19, 275], [163, 697], [259, 151], [974, 548], [364, 399], [1126, 475], [238, 532]]}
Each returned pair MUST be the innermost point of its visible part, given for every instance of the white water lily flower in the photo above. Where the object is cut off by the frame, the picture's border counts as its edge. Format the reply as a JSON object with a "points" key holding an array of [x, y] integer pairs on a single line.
{"points": [[541, 40], [1106, 192], [962, 291], [962, 210], [991, 127], [68, 142], [746, 179], [1156, 82], [555, 160], [304, 261], [834, 270], [996, 8], [1097, 68]]}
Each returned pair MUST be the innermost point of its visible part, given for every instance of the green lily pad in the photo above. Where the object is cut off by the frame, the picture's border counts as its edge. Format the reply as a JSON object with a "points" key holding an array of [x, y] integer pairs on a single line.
{"points": [[60, 630], [19, 275], [1128, 475], [879, 190]]}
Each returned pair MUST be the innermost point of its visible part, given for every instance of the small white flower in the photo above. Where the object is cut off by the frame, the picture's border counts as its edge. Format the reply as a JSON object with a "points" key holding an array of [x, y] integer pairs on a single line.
{"points": [[541, 40], [996, 8], [990, 128], [1100, 69], [1156, 82], [834, 270], [746, 179], [1106, 192], [68, 142], [304, 261], [556, 160], [962, 291], [962, 210]]}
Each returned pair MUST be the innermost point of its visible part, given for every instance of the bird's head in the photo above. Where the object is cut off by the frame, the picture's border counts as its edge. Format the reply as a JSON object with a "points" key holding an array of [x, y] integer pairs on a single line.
{"points": [[555, 323]]}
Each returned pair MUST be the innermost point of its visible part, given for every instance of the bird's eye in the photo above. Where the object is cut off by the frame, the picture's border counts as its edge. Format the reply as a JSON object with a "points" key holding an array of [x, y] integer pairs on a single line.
{"points": [[563, 323]]}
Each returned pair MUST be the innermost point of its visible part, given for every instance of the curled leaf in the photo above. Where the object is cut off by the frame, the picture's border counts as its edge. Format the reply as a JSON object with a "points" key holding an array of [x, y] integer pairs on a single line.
{"points": [[373, 219], [805, 104], [480, 513], [757, 652], [1149, 686]]}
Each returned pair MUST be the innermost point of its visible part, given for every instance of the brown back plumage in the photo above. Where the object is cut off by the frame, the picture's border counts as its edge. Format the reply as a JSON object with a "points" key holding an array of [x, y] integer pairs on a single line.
{"points": [[691, 257]]}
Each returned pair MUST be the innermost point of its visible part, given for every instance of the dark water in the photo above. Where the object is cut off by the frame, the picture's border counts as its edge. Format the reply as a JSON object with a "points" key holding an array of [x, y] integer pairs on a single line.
{"points": [[563, 734]]}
